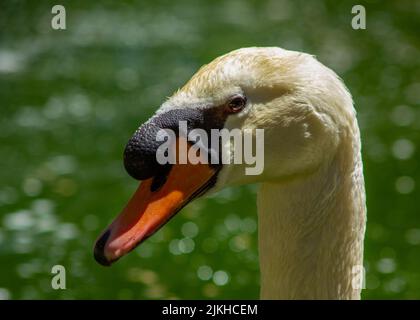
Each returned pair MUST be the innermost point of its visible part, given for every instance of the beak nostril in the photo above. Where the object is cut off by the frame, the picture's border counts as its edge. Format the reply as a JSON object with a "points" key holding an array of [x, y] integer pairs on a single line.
{"points": [[160, 179]]}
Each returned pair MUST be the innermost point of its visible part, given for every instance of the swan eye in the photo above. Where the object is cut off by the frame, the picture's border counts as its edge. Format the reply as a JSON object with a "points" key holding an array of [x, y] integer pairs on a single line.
{"points": [[236, 104]]}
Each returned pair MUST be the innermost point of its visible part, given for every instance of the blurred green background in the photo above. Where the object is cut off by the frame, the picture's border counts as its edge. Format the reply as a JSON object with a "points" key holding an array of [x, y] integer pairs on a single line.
{"points": [[70, 100]]}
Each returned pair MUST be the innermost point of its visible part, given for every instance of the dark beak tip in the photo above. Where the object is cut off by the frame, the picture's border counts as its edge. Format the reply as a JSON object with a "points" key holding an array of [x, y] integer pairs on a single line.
{"points": [[101, 259], [99, 250]]}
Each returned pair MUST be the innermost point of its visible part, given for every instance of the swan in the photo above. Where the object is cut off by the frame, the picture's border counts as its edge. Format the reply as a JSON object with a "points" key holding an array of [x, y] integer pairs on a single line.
{"points": [[311, 197]]}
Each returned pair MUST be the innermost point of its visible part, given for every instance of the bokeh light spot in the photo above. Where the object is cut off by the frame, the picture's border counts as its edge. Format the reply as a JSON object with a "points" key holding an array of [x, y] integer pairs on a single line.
{"points": [[204, 273], [220, 278], [403, 149], [404, 184], [189, 229], [386, 265]]}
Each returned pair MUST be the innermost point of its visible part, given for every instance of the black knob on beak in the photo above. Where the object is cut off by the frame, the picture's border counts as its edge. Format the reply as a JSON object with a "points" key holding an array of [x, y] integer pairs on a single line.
{"points": [[140, 153]]}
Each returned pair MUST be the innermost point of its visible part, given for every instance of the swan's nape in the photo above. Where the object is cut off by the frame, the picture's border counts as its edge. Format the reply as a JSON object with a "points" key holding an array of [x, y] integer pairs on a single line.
{"points": [[311, 202]]}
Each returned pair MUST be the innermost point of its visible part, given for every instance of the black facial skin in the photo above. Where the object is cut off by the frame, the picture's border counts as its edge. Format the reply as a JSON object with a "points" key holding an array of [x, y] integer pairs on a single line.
{"points": [[140, 152]]}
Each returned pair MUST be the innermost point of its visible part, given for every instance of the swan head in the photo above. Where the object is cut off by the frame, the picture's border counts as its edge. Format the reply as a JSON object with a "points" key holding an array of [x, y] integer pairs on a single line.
{"points": [[301, 105]]}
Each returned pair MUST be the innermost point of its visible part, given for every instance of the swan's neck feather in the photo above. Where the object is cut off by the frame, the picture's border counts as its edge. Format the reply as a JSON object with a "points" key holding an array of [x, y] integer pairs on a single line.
{"points": [[311, 231]]}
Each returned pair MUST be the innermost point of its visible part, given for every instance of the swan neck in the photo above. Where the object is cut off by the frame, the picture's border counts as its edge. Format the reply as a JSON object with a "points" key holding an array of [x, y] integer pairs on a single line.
{"points": [[311, 233]]}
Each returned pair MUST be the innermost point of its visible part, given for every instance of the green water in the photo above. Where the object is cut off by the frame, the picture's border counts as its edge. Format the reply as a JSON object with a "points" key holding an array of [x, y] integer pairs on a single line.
{"points": [[69, 101]]}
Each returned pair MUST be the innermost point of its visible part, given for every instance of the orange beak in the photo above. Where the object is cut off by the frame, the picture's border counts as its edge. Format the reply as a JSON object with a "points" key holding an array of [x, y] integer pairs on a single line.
{"points": [[149, 210]]}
